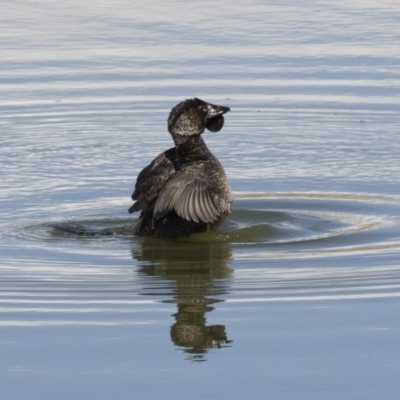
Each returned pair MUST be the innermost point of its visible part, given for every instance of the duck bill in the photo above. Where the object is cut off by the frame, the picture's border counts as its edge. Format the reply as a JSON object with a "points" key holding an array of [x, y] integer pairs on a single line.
{"points": [[215, 111], [216, 117]]}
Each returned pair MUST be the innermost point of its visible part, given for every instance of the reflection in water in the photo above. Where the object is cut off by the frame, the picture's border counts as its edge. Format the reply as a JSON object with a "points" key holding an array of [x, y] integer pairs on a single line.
{"points": [[196, 273]]}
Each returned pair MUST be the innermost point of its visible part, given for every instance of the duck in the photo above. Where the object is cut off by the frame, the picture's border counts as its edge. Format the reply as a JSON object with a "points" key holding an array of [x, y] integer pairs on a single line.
{"points": [[184, 190]]}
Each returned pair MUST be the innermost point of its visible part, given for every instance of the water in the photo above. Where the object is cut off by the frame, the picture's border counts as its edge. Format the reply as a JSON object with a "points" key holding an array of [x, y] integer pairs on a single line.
{"points": [[296, 296]]}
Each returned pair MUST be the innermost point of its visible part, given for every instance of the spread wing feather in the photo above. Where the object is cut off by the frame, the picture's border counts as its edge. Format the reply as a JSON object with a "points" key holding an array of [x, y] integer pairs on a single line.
{"points": [[190, 208], [187, 193]]}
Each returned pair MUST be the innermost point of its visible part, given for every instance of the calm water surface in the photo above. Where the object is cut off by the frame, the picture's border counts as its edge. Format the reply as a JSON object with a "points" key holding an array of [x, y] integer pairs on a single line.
{"points": [[296, 296]]}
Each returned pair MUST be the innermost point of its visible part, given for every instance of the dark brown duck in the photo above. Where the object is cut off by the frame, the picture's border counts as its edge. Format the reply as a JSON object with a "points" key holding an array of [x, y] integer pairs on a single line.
{"points": [[184, 190]]}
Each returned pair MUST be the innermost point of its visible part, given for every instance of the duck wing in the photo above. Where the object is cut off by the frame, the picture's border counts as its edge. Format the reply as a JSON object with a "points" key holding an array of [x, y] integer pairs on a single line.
{"points": [[188, 193], [152, 178]]}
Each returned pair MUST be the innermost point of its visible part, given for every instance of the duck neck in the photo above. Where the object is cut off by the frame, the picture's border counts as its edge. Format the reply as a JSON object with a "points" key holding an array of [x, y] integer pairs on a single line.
{"points": [[191, 149]]}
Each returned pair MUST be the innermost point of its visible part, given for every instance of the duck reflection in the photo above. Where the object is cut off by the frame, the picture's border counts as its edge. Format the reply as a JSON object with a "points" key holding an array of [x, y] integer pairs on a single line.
{"points": [[196, 274]]}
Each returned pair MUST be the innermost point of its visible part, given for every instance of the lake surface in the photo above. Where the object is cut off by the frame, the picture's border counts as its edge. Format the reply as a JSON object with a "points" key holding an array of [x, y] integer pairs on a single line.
{"points": [[297, 296]]}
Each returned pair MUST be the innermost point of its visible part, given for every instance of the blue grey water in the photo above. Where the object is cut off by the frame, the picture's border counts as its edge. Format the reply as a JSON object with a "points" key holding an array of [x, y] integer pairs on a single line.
{"points": [[297, 296]]}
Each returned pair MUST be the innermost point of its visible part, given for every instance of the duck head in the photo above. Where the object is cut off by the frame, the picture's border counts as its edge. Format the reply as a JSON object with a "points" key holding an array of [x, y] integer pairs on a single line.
{"points": [[193, 116]]}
